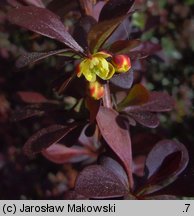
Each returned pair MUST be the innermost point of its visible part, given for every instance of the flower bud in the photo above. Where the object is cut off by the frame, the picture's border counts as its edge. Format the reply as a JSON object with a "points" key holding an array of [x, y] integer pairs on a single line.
{"points": [[122, 63], [96, 90]]}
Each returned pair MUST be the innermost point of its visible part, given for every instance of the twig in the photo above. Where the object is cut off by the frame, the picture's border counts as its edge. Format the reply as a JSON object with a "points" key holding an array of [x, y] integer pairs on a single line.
{"points": [[107, 98]]}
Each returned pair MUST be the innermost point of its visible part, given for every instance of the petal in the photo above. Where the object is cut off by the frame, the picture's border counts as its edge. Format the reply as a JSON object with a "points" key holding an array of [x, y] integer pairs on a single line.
{"points": [[107, 74], [104, 64], [91, 77], [111, 71], [84, 65]]}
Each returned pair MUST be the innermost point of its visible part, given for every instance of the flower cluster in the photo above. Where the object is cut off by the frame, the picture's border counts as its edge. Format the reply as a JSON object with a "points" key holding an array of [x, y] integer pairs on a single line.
{"points": [[104, 66]]}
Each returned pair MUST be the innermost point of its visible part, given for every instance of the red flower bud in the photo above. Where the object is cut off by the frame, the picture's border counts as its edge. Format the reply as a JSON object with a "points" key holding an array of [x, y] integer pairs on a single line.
{"points": [[96, 90], [122, 63]]}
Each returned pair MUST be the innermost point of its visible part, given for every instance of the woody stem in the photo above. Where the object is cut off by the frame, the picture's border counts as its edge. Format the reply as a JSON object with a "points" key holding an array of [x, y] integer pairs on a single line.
{"points": [[106, 98]]}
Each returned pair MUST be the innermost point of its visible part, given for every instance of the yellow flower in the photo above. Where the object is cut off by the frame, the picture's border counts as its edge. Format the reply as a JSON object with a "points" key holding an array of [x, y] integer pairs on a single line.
{"points": [[96, 65], [96, 90]]}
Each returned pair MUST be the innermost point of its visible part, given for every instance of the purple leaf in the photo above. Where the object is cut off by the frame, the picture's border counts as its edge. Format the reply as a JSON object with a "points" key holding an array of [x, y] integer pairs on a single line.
{"points": [[149, 47], [115, 168], [33, 57], [123, 80], [124, 46], [166, 161], [162, 197], [13, 3], [134, 55], [37, 3], [82, 29], [158, 102], [116, 134], [115, 8], [97, 9], [45, 138], [60, 154], [98, 182], [144, 50], [88, 141], [25, 113], [44, 22], [32, 97], [17, 3], [161, 150], [62, 8], [146, 119]]}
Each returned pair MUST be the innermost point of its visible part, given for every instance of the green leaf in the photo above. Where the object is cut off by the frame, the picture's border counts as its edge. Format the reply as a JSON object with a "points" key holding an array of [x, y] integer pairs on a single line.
{"points": [[138, 95], [100, 32]]}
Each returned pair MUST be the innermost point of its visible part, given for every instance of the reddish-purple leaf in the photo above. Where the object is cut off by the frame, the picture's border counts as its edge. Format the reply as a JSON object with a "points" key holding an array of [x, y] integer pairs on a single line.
{"points": [[14, 3], [44, 22], [161, 150], [26, 113], [60, 154], [144, 50], [166, 161], [88, 141], [37, 3], [149, 47], [158, 102], [98, 182], [115, 8], [33, 57], [62, 8], [117, 136], [115, 168], [17, 3], [120, 33], [97, 9], [82, 29], [134, 55], [124, 46], [130, 120], [147, 119], [72, 195], [123, 80], [32, 97], [45, 138]]}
